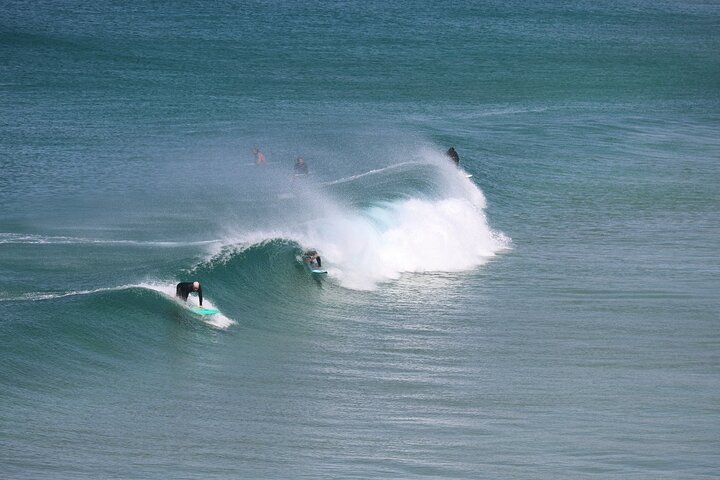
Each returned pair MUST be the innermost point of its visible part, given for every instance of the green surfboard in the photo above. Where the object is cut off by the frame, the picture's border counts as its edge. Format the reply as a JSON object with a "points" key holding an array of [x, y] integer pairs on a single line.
{"points": [[204, 311]]}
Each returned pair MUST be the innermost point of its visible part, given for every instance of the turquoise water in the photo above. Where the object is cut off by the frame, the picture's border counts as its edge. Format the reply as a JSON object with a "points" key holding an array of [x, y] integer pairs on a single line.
{"points": [[554, 316]]}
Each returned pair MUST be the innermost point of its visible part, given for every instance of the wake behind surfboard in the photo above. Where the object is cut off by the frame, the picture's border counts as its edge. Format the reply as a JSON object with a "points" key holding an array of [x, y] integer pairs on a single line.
{"points": [[211, 316]]}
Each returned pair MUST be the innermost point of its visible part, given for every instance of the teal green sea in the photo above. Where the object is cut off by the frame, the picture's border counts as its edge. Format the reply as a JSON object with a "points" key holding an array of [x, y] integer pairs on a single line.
{"points": [[554, 316]]}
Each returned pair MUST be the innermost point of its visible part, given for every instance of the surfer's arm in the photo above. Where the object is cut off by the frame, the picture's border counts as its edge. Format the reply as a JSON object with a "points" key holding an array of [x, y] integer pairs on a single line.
{"points": [[200, 295]]}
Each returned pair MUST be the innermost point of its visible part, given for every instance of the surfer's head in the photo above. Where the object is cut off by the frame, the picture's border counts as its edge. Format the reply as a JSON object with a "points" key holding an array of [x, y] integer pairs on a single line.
{"points": [[196, 286]]}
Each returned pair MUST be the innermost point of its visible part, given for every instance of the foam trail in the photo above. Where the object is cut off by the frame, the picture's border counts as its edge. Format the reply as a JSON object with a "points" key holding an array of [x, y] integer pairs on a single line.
{"points": [[365, 174]]}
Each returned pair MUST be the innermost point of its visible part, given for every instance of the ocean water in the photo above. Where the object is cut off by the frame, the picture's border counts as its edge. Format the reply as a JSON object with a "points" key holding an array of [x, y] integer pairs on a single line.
{"points": [[556, 315]]}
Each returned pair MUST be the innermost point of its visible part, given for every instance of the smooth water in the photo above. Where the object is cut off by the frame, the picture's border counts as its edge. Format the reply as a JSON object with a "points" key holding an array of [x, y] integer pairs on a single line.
{"points": [[554, 316]]}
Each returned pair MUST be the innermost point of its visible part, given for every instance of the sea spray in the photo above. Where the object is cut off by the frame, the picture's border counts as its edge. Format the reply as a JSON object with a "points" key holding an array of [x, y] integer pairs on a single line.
{"points": [[441, 229]]}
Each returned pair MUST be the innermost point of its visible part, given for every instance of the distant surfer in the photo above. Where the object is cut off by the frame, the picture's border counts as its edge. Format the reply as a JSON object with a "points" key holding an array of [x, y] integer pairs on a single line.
{"points": [[259, 157], [453, 156], [184, 289], [312, 256], [300, 167]]}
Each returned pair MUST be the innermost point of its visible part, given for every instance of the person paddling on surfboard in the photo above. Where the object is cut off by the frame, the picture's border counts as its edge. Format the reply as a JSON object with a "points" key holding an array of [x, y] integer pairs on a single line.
{"points": [[311, 256], [453, 156], [184, 289]]}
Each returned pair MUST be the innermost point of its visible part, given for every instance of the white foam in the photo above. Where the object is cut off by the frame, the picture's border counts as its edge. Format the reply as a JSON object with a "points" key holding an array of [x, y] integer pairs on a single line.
{"points": [[448, 234], [445, 230], [415, 235], [363, 248]]}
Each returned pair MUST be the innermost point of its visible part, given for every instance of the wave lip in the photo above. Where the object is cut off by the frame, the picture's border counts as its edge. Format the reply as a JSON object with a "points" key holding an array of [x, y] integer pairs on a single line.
{"points": [[438, 225], [34, 239], [40, 296]]}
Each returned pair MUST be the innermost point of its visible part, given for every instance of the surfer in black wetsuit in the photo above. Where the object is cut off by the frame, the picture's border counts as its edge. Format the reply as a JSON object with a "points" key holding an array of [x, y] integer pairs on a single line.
{"points": [[453, 156], [300, 167], [312, 256], [184, 289]]}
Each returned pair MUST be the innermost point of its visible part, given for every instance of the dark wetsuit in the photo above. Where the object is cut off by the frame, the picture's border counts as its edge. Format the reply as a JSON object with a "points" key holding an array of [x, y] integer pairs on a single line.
{"points": [[313, 256], [186, 288], [454, 156]]}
